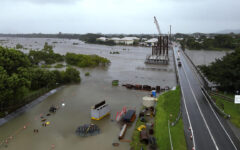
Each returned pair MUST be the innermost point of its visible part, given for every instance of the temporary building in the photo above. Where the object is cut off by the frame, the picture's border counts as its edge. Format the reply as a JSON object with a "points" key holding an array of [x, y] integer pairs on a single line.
{"points": [[148, 101]]}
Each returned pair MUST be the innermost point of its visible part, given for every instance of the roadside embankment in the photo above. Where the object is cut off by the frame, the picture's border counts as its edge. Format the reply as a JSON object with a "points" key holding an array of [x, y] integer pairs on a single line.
{"points": [[229, 108], [136, 144], [167, 108], [27, 106]]}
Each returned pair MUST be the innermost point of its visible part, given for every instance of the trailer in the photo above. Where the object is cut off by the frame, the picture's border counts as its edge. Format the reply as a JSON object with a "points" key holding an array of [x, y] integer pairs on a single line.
{"points": [[100, 110], [130, 116]]}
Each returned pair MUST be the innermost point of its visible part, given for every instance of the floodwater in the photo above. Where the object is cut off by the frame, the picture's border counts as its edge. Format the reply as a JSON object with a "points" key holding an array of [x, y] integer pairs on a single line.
{"points": [[205, 57], [127, 67]]}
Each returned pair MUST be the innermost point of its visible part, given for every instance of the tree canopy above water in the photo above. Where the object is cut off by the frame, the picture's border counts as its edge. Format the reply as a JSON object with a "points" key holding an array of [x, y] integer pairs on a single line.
{"points": [[18, 77], [225, 71]]}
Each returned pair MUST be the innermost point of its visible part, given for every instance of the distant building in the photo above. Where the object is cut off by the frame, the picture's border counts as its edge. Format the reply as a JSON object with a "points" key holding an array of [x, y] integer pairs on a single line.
{"points": [[102, 39], [129, 40], [125, 40], [116, 40], [144, 39], [151, 42], [179, 39]]}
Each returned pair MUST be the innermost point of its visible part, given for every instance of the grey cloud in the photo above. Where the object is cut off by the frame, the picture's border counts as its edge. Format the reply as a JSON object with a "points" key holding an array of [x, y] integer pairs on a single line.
{"points": [[118, 16], [44, 1]]}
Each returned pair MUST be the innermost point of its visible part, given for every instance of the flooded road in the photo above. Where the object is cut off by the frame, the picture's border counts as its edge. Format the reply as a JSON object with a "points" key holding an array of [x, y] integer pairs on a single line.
{"points": [[127, 67]]}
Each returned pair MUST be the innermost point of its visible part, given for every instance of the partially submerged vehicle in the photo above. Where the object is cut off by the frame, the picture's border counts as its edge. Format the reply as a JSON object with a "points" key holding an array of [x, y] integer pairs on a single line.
{"points": [[100, 110], [87, 130], [52, 109], [130, 116]]}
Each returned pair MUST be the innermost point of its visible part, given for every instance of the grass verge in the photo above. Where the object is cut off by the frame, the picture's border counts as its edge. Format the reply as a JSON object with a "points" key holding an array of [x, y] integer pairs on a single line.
{"points": [[169, 105], [229, 108], [136, 144]]}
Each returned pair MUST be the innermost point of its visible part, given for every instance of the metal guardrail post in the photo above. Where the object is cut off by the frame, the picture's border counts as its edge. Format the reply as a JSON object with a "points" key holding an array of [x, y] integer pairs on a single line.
{"points": [[221, 112], [199, 73], [169, 133], [176, 71], [222, 96], [179, 114]]}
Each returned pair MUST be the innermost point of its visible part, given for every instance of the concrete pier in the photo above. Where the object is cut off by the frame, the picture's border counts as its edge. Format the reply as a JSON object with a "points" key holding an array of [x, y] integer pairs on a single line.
{"points": [[159, 52]]}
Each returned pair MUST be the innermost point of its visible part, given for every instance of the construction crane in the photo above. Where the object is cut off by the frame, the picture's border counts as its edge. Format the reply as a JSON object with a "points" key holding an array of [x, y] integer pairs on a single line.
{"points": [[157, 25]]}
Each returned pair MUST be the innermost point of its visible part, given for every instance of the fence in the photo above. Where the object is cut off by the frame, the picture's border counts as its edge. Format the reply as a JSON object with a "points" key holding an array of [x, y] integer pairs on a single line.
{"points": [[198, 71], [175, 67], [8, 108], [222, 96], [205, 92], [169, 133]]}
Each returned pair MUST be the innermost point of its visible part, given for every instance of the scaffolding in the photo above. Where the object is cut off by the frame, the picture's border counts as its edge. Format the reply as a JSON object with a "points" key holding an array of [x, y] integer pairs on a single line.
{"points": [[159, 52]]}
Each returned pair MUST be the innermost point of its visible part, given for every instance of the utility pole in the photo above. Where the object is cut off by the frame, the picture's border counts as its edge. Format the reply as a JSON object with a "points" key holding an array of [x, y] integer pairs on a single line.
{"points": [[170, 37]]}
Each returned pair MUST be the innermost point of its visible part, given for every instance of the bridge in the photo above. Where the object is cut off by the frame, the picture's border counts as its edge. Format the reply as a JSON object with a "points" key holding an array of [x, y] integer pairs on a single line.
{"points": [[159, 52], [208, 129]]}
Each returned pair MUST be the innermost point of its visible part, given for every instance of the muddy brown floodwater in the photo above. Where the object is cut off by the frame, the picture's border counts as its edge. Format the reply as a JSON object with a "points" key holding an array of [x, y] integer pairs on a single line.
{"points": [[204, 57], [127, 67]]}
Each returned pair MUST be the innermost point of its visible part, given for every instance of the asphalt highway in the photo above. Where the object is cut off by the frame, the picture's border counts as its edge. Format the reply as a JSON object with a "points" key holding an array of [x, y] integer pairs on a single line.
{"points": [[209, 130]]}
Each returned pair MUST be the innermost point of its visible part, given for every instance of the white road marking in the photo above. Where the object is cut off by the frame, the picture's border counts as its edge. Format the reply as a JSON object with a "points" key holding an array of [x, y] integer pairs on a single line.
{"points": [[215, 113], [219, 121], [187, 112], [200, 109]]}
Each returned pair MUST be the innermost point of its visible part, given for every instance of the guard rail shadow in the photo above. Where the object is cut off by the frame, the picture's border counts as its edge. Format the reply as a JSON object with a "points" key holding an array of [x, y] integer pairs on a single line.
{"points": [[221, 112], [175, 67], [222, 96], [198, 71], [179, 115]]}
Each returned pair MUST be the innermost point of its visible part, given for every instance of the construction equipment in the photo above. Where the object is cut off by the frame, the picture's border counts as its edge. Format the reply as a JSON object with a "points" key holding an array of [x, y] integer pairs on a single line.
{"points": [[157, 25]]}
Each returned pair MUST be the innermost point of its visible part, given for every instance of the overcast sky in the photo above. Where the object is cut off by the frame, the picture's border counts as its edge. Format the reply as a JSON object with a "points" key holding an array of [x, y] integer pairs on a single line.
{"points": [[118, 16]]}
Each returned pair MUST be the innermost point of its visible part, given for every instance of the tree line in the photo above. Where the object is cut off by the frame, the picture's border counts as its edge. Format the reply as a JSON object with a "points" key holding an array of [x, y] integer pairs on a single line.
{"points": [[21, 74], [219, 42], [225, 72]]}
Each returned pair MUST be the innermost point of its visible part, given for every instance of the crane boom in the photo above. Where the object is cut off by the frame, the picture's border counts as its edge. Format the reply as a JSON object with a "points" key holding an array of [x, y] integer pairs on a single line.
{"points": [[157, 25]]}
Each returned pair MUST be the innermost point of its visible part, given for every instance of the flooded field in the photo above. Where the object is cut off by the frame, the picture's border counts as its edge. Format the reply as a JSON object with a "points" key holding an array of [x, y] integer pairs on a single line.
{"points": [[204, 57], [127, 67]]}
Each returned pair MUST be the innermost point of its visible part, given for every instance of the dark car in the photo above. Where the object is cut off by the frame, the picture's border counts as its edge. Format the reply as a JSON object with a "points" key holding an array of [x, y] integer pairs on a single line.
{"points": [[179, 64]]}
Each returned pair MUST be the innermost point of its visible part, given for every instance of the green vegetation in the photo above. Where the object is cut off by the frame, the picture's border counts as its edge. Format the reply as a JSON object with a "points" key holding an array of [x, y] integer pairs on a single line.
{"points": [[89, 37], [115, 82], [46, 66], [135, 42], [92, 39], [19, 46], [45, 55], [229, 108], [81, 60], [19, 77], [219, 42], [87, 74], [225, 72], [136, 144], [59, 66], [168, 107]]}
